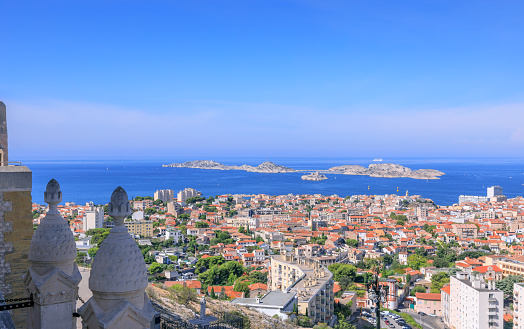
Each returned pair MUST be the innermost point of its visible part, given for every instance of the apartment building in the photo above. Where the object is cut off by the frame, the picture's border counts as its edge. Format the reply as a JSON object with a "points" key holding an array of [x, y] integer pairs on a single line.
{"points": [[494, 191], [187, 193], [473, 303], [518, 305], [510, 266], [93, 218], [312, 283], [465, 231], [164, 195], [445, 302], [245, 222], [140, 227]]}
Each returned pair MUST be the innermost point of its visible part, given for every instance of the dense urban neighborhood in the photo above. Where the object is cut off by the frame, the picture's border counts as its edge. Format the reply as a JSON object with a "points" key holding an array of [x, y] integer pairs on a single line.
{"points": [[310, 260]]}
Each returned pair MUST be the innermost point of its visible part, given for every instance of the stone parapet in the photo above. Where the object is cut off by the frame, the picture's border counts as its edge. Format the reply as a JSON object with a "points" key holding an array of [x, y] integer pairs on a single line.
{"points": [[15, 179]]}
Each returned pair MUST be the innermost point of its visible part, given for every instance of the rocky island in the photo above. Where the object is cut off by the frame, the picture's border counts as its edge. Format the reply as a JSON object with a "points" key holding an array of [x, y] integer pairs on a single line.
{"points": [[314, 177], [387, 170], [266, 167]]}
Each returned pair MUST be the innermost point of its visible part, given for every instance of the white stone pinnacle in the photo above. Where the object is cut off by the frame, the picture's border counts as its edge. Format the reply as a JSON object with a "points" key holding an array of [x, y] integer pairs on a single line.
{"points": [[118, 277]]}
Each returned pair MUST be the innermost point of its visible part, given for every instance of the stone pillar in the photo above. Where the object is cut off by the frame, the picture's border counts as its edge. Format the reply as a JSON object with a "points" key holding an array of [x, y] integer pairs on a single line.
{"points": [[16, 230], [118, 278], [4, 154], [53, 276]]}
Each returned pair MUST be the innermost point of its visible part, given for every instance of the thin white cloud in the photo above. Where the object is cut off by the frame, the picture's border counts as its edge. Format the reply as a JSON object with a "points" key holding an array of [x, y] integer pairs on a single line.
{"points": [[66, 129]]}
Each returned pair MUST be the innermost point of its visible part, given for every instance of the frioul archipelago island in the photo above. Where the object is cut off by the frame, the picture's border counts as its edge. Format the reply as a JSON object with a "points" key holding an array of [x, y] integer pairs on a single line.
{"points": [[385, 170]]}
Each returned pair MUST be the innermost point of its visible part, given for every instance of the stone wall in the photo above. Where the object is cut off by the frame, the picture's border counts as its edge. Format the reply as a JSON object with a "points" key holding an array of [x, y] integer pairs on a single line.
{"points": [[16, 231]]}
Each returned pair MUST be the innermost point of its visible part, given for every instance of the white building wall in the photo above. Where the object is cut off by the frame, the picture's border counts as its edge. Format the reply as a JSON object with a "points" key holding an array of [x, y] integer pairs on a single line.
{"points": [[518, 306], [93, 218], [475, 306]]}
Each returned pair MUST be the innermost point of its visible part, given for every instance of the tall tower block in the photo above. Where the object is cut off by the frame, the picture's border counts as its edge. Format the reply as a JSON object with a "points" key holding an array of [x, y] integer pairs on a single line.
{"points": [[3, 136], [16, 224]]}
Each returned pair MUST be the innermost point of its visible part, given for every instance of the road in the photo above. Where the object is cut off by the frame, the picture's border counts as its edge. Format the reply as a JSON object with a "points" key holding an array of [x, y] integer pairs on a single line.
{"points": [[426, 321]]}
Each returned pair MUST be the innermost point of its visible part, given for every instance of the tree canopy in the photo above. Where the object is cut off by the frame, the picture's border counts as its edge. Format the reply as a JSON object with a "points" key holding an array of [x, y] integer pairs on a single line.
{"points": [[201, 224], [438, 281], [507, 283], [219, 275]]}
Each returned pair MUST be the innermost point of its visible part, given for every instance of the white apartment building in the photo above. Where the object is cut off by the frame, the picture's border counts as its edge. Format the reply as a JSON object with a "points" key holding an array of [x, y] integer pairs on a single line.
{"points": [[312, 283], [473, 199], [173, 207], [176, 235], [164, 195], [494, 191], [518, 306], [187, 193], [93, 218], [474, 304], [251, 222]]}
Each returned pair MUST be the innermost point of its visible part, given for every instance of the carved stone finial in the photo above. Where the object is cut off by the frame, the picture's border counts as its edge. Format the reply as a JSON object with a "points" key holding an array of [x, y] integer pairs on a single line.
{"points": [[118, 277], [119, 207], [53, 196]]}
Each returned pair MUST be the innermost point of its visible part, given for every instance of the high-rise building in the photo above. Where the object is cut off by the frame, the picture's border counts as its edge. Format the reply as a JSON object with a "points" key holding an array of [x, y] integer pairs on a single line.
{"points": [[16, 224], [187, 193], [312, 283], [494, 191], [164, 195], [474, 303], [518, 306], [93, 218]]}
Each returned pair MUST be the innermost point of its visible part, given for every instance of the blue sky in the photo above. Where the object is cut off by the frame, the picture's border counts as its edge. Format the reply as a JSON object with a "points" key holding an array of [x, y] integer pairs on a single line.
{"points": [[255, 78]]}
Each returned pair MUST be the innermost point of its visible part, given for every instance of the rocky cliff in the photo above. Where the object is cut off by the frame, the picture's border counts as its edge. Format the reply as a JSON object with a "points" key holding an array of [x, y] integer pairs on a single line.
{"points": [[266, 167], [387, 170]]}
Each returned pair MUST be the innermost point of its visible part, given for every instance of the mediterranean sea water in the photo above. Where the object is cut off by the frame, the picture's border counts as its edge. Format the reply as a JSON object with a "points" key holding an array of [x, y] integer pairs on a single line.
{"points": [[94, 180]]}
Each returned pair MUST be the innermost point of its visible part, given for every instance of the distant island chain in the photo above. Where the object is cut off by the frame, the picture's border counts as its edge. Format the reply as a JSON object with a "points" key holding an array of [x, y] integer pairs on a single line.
{"points": [[385, 170]]}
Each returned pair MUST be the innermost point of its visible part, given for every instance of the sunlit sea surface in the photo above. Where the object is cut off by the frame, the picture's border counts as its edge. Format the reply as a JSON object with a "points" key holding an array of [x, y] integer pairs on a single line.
{"points": [[94, 180]]}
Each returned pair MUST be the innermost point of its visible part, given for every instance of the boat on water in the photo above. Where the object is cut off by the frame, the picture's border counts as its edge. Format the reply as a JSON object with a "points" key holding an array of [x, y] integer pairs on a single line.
{"points": [[377, 159]]}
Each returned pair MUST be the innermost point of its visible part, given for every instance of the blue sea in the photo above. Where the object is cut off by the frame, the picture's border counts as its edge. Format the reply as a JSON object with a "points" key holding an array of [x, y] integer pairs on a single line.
{"points": [[94, 180]]}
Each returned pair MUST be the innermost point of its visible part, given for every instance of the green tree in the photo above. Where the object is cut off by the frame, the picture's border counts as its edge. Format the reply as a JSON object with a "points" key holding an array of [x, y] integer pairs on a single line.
{"points": [[80, 258], [242, 287], [213, 295], [155, 268], [195, 199], [201, 224], [440, 262], [343, 324], [345, 270], [150, 211], [241, 229], [417, 289], [507, 283], [183, 294], [92, 252], [98, 236], [416, 261], [183, 217], [470, 254], [352, 243], [387, 259], [438, 281]]}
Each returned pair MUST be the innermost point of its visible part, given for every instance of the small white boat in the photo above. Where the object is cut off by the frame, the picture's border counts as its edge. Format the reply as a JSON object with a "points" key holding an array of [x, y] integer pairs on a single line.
{"points": [[377, 159]]}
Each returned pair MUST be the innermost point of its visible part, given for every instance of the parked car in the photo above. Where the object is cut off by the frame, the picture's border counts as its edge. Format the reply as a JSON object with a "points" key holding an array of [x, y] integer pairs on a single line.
{"points": [[431, 314], [422, 313]]}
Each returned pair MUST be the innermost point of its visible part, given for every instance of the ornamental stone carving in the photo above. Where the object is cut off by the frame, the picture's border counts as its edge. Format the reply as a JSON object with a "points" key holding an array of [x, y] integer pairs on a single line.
{"points": [[118, 277], [53, 276]]}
